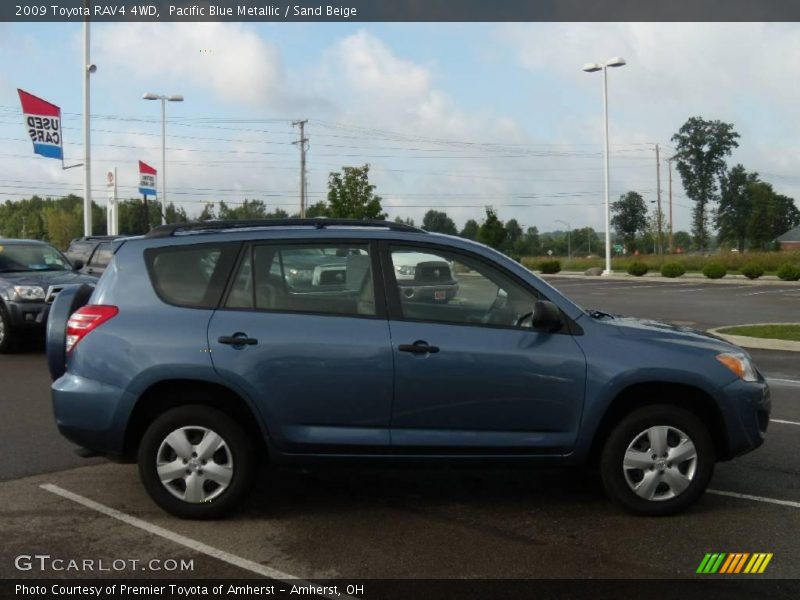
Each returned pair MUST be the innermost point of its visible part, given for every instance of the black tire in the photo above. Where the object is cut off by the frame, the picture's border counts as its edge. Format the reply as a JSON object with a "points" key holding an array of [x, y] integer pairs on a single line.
{"points": [[239, 445], [7, 333], [627, 431]]}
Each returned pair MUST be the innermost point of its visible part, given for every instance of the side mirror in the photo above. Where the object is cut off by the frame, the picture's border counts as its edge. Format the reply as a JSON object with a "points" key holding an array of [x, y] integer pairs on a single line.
{"points": [[546, 316], [77, 264]]}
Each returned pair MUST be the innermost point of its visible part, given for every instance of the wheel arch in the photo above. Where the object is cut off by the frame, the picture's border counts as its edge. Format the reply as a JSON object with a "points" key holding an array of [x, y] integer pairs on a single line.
{"points": [[168, 394], [689, 397]]}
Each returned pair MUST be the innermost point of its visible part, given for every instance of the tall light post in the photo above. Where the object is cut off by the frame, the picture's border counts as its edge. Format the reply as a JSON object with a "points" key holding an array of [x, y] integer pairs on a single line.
{"points": [[617, 61], [569, 241], [164, 99]]}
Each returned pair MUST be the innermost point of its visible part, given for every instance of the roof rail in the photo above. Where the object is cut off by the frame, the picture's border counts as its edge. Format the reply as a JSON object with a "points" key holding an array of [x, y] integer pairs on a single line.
{"points": [[319, 223]]}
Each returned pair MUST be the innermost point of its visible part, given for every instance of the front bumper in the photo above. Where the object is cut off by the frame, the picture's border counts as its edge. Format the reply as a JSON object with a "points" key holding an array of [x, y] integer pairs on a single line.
{"points": [[746, 407], [28, 315], [428, 292]]}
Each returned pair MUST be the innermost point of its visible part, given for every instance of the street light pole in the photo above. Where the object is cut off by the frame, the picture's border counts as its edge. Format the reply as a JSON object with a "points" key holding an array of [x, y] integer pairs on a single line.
{"points": [[617, 61], [164, 99], [87, 152], [569, 241], [605, 171]]}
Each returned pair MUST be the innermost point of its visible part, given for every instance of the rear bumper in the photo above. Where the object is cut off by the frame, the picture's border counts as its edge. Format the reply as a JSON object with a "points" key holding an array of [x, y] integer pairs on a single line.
{"points": [[746, 407], [87, 413]]}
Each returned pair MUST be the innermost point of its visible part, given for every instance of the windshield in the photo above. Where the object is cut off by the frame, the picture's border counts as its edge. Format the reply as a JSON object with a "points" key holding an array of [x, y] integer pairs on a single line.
{"points": [[31, 257]]}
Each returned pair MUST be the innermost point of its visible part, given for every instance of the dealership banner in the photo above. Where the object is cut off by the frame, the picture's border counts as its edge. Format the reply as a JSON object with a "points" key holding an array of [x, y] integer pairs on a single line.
{"points": [[43, 122], [147, 179]]}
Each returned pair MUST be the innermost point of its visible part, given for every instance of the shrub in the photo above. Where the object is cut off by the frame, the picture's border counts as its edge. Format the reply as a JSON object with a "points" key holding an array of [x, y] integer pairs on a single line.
{"points": [[672, 269], [788, 272], [714, 270], [752, 270], [637, 269], [549, 267]]}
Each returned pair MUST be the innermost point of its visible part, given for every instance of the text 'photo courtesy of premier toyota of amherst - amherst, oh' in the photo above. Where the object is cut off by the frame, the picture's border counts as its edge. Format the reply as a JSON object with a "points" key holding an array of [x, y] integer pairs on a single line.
{"points": [[396, 299]]}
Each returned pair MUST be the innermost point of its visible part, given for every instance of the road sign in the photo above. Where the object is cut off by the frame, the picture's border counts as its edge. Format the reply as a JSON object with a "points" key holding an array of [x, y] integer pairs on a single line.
{"points": [[618, 248]]}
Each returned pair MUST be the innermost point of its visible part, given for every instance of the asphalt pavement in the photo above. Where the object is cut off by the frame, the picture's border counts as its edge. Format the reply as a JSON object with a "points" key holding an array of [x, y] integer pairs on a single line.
{"points": [[415, 523]]}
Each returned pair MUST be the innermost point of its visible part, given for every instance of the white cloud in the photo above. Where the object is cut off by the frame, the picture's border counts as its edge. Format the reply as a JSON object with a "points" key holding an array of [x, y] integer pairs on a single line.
{"points": [[228, 59]]}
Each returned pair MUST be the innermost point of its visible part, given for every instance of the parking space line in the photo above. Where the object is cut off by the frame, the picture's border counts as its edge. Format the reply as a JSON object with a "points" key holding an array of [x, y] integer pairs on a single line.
{"points": [[177, 538], [755, 498], [784, 422], [764, 292], [778, 381]]}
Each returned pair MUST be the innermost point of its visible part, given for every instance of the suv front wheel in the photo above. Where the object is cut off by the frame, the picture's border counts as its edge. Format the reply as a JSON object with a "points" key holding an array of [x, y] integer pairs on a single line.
{"points": [[658, 460], [196, 462]]}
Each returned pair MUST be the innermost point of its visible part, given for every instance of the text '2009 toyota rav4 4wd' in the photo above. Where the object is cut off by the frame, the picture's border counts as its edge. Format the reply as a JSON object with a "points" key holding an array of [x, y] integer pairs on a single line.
{"points": [[208, 345]]}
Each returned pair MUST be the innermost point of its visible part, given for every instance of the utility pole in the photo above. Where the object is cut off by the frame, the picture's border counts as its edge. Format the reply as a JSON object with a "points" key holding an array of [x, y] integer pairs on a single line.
{"points": [[658, 203], [24, 229], [303, 143], [669, 163]]}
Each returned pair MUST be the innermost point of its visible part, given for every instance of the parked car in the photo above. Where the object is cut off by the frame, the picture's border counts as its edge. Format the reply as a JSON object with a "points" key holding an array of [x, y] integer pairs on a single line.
{"points": [[94, 252], [197, 357], [424, 277], [32, 273]]}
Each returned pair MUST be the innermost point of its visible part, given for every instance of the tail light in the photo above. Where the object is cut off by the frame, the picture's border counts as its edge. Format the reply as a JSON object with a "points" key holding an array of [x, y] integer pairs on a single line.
{"points": [[85, 320]]}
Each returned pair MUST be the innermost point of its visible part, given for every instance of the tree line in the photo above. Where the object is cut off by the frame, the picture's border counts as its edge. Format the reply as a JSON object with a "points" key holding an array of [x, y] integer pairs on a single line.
{"points": [[747, 212]]}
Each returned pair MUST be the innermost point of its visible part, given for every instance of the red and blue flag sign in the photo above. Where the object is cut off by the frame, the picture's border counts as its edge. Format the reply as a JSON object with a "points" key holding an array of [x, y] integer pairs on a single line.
{"points": [[43, 121], [147, 179]]}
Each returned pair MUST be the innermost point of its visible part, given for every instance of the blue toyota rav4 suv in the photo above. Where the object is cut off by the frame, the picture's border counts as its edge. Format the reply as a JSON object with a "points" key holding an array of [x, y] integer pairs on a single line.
{"points": [[199, 353]]}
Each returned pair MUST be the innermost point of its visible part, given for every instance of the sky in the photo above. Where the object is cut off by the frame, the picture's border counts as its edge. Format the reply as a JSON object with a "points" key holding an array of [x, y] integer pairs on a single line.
{"points": [[449, 116]]}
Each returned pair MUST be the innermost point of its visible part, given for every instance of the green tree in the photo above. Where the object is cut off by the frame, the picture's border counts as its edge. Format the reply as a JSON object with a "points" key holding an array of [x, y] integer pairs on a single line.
{"points": [[492, 231], [470, 230], [682, 240], [529, 244], [735, 206], [629, 218], [407, 221], [352, 196], [318, 209], [772, 215], [439, 222], [62, 225], [514, 234], [585, 241], [701, 148], [208, 213]]}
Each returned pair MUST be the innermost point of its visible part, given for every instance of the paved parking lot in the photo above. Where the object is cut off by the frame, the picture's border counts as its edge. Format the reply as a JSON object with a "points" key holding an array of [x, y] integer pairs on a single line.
{"points": [[406, 523]]}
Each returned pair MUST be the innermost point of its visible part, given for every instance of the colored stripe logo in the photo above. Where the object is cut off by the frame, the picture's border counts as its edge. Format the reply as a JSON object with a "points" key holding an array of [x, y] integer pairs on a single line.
{"points": [[734, 563]]}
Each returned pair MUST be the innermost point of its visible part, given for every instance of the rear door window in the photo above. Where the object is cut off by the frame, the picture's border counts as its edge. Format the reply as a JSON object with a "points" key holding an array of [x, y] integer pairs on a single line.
{"points": [[325, 278]]}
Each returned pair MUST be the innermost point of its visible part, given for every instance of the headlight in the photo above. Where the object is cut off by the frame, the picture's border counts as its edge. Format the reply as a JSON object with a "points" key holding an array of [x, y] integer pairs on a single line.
{"points": [[739, 364], [298, 275], [28, 292], [406, 271]]}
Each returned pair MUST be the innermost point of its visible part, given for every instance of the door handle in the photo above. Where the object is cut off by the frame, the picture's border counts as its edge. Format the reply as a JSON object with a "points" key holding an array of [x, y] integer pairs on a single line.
{"points": [[237, 339], [418, 347]]}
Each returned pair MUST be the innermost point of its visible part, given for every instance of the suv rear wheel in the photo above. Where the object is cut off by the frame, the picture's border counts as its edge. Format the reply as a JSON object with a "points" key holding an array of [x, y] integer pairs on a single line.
{"points": [[658, 460], [196, 462]]}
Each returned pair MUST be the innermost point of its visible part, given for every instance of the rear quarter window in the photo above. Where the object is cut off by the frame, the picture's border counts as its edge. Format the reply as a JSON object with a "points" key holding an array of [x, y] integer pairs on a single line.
{"points": [[192, 276]]}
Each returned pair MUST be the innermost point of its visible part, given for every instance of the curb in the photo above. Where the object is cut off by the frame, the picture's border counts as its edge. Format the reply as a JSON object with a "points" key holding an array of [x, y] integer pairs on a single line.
{"points": [[727, 280], [746, 341]]}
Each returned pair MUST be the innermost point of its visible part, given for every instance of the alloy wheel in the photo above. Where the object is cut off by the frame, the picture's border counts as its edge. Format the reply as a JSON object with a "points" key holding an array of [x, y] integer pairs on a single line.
{"points": [[194, 464], [660, 463]]}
